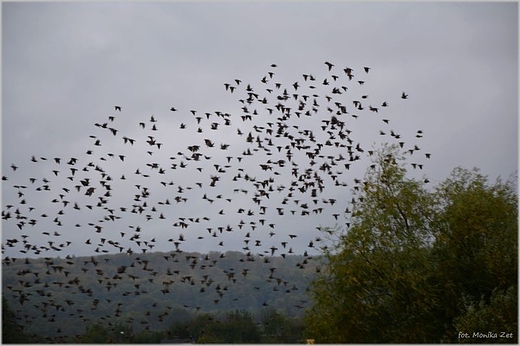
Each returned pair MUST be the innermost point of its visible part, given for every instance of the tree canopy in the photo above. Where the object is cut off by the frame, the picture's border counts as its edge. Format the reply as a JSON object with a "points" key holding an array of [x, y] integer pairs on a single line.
{"points": [[420, 264]]}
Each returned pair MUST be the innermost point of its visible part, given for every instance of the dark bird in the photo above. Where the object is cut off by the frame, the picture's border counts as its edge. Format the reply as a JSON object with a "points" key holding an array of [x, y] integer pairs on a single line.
{"points": [[329, 65]]}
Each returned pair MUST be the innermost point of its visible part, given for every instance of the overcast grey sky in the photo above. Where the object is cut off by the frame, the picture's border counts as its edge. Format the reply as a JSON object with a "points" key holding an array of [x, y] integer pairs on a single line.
{"points": [[66, 65]]}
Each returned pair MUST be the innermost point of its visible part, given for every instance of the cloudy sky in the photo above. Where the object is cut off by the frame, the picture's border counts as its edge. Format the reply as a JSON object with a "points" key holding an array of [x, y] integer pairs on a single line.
{"points": [[66, 65]]}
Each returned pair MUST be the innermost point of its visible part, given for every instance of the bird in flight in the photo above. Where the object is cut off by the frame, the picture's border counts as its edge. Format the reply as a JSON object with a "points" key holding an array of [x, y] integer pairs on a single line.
{"points": [[329, 65]]}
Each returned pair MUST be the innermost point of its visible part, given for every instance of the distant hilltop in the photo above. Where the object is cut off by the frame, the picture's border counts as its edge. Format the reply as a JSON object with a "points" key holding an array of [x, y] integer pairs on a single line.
{"points": [[152, 290]]}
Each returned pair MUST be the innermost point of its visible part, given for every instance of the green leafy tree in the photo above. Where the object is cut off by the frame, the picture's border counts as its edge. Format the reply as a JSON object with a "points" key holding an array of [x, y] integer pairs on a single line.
{"points": [[401, 272], [376, 286], [278, 328], [499, 315], [148, 337], [95, 334], [476, 247], [201, 328], [239, 327]]}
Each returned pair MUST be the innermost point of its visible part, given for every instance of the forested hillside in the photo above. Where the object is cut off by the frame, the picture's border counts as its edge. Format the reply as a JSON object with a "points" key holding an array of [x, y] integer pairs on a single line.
{"points": [[63, 297]]}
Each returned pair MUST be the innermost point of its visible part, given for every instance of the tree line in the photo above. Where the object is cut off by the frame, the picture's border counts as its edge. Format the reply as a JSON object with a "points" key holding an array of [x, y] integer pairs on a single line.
{"points": [[237, 326]]}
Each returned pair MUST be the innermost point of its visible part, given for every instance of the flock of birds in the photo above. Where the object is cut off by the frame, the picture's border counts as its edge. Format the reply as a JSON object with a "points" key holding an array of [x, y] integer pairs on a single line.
{"points": [[166, 181]]}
